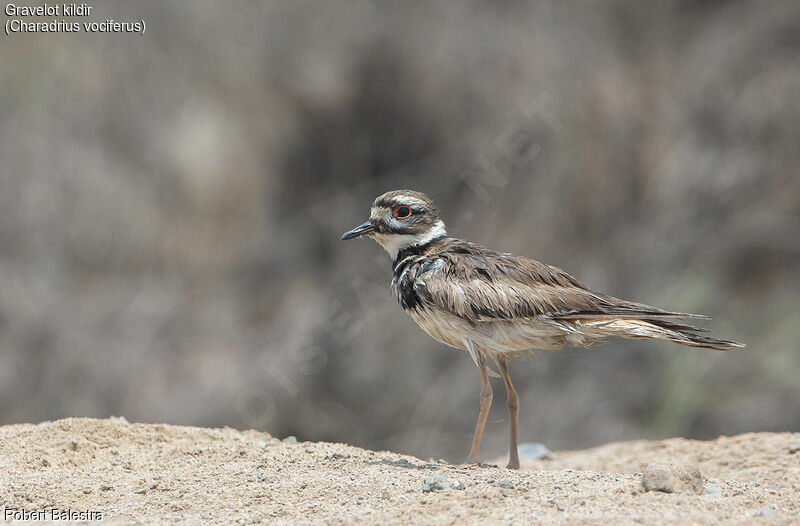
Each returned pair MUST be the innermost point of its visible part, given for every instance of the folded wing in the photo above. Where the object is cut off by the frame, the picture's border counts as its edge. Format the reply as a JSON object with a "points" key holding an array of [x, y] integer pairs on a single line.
{"points": [[481, 286]]}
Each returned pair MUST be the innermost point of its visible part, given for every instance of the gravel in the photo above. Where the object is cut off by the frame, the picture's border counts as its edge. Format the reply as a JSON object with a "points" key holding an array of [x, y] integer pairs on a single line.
{"points": [[190, 475]]}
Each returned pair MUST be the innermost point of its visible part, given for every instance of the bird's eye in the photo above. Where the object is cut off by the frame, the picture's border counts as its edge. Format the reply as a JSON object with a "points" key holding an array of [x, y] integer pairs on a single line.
{"points": [[402, 212]]}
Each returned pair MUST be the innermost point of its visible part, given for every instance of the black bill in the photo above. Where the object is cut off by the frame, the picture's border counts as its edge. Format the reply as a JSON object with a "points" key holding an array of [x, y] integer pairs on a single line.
{"points": [[360, 230]]}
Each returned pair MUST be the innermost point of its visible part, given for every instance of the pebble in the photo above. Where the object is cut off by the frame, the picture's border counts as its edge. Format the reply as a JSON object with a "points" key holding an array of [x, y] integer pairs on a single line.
{"points": [[770, 513], [505, 483], [534, 451], [144, 490], [436, 482], [794, 448], [291, 439], [672, 478], [714, 491]]}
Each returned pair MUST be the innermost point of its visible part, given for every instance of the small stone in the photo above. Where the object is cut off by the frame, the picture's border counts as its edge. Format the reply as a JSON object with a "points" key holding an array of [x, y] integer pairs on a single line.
{"points": [[672, 478], [794, 448], [144, 490], [714, 491], [291, 439], [769, 513], [504, 492], [436, 482], [106, 487], [534, 451], [505, 483]]}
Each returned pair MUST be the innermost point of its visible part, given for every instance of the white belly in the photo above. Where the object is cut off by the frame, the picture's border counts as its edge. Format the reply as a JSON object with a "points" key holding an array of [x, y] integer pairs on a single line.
{"points": [[499, 337]]}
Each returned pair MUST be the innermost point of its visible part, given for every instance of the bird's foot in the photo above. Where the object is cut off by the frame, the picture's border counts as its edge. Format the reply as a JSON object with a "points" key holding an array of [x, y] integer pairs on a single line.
{"points": [[471, 462]]}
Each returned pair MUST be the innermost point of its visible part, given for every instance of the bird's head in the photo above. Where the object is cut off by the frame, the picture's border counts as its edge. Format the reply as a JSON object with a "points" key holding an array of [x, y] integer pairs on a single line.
{"points": [[401, 219]]}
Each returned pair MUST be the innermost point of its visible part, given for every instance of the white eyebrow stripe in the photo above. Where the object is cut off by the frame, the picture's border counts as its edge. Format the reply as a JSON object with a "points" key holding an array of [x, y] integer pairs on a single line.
{"points": [[413, 201]]}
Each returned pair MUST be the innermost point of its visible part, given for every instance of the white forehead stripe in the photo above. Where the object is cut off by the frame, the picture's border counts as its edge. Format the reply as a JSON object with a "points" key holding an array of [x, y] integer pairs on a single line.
{"points": [[378, 211]]}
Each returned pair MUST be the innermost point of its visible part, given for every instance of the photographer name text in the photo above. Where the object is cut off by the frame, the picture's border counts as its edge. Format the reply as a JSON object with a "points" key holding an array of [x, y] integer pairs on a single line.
{"points": [[51, 514]]}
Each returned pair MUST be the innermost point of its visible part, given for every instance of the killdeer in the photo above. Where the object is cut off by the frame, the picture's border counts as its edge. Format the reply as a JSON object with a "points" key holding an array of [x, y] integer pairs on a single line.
{"points": [[497, 306]]}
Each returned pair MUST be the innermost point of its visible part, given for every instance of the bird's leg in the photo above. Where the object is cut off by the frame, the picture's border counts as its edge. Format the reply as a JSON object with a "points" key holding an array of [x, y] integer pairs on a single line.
{"points": [[486, 403], [513, 414]]}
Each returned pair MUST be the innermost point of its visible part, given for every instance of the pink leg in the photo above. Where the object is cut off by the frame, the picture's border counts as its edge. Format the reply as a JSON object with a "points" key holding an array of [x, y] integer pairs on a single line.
{"points": [[513, 414], [486, 403]]}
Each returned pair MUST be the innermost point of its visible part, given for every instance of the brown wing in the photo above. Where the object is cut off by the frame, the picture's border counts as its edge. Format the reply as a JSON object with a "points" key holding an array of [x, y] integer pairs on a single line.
{"points": [[479, 285]]}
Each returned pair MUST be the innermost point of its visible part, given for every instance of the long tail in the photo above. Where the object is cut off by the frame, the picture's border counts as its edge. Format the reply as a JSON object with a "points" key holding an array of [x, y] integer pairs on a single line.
{"points": [[654, 329], [628, 319]]}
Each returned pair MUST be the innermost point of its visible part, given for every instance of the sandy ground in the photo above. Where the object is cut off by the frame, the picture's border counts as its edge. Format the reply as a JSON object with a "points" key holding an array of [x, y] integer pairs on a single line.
{"points": [[163, 474]]}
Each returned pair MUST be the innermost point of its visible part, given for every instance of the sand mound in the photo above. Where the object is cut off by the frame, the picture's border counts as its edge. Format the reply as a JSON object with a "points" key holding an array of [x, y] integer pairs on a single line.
{"points": [[157, 473]]}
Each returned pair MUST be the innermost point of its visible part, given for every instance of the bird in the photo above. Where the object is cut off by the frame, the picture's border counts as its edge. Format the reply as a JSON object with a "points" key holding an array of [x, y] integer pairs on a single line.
{"points": [[498, 306]]}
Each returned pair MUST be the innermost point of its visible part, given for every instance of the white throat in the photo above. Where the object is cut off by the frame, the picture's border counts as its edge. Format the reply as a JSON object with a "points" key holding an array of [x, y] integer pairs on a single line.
{"points": [[394, 243]]}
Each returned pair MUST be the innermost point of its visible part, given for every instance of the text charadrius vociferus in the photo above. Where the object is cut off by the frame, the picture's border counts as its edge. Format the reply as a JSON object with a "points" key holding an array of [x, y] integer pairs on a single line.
{"points": [[499, 306]]}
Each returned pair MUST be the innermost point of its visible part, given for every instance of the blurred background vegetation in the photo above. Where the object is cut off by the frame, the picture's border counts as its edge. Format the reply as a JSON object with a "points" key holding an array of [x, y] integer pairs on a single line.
{"points": [[171, 205]]}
